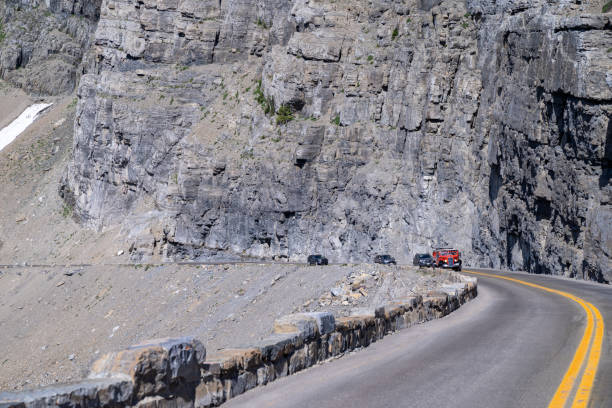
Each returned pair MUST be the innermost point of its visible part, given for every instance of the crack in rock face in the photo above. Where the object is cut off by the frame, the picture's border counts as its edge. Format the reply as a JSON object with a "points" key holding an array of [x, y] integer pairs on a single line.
{"points": [[218, 130]]}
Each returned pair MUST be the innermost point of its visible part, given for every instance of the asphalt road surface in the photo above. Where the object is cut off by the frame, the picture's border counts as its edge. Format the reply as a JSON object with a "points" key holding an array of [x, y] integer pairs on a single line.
{"points": [[513, 346]]}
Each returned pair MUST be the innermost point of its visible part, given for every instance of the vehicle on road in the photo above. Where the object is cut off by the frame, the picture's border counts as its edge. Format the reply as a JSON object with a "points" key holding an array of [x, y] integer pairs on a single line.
{"points": [[422, 260], [317, 260], [447, 258], [385, 260]]}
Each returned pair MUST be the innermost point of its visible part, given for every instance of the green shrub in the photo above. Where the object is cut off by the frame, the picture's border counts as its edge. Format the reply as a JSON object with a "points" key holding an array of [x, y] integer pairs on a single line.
{"points": [[607, 7], [267, 104], [2, 34], [67, 211], [465, 25], [247, 155], [395, 33], [284, 115], [370, 58], [336, 120], [261, 23]]}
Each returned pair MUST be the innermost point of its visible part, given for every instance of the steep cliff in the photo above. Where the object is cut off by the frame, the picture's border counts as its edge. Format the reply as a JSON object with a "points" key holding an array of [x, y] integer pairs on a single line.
{"points": [[43, 43], [281, 128], [380, 154], [545, 110]]}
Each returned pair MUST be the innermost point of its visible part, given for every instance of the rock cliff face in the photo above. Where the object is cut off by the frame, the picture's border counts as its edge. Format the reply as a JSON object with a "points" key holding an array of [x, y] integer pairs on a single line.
{"points": [[378, 158], [280, 128], [43, 44], [545, 110]]}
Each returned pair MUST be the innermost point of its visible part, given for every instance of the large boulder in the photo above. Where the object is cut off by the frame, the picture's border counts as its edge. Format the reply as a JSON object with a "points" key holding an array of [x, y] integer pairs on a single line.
{"points": [[155, 367]]}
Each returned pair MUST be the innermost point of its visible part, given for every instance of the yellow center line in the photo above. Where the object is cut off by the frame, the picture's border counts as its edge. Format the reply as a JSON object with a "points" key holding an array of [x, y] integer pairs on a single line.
{"points": [[567, 383], [583, 395]]}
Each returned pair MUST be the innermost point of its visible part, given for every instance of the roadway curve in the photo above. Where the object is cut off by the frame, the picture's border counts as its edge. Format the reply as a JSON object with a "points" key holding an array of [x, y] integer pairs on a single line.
{"points": [[510, 347]]}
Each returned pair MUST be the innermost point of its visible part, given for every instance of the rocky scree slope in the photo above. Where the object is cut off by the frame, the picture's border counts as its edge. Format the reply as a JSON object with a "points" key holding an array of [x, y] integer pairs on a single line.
{"points": [[55, 321], [283, 128]]}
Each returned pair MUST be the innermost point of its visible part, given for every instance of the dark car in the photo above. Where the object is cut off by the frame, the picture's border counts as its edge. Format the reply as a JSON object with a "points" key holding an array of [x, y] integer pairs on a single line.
{"points": [[421, 260], [384, 259], [317, 260]]}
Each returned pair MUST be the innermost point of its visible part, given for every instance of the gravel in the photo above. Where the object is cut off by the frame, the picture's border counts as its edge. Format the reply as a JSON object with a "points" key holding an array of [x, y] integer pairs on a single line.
{"points": [[53, 324]]}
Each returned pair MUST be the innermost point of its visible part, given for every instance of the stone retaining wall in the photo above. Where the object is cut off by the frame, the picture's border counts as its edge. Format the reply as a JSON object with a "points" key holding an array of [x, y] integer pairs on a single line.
{"points": [[179, 373]]}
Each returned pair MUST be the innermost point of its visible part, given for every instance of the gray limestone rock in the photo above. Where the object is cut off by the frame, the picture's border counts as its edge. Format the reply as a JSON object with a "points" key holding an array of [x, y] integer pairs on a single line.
{"points": [[93, 393], [155, 367], [44, 45], [484, 126]]}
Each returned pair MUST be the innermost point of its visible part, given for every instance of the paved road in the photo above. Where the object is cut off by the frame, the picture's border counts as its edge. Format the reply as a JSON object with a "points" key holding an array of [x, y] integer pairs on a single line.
{"points": [[510, 347]]}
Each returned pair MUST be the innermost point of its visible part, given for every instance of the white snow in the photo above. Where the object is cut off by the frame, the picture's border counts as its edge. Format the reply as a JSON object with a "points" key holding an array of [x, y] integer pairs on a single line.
{"points": [[10, 133]]}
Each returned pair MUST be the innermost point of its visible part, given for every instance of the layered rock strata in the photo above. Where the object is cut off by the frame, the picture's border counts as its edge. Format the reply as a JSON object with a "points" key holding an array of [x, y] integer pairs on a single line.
{"points": [[545, 110], [366, 165], [44, 45], [284, 128]]}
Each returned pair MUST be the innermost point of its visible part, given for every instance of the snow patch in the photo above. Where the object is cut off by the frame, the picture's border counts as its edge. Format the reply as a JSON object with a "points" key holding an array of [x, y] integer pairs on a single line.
{"points": [[10, 133]]}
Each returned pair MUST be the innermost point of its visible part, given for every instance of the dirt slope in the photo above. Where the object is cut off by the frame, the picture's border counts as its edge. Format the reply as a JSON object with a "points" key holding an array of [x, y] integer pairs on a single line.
{"points": [[35, 225], [12, 103], [54, 321]]}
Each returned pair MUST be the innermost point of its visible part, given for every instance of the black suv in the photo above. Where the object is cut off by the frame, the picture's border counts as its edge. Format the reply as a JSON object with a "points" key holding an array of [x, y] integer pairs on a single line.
{"points": [[384, 259], [317, 260], [423, 260]]}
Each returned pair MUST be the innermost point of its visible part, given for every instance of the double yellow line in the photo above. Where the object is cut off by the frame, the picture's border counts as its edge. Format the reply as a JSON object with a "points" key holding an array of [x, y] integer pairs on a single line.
{"points": [[590, 345]]}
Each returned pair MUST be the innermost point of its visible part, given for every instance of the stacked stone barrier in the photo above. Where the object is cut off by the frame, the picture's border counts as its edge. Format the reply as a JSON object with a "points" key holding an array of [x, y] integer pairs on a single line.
{"points": [[179, 373]]}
